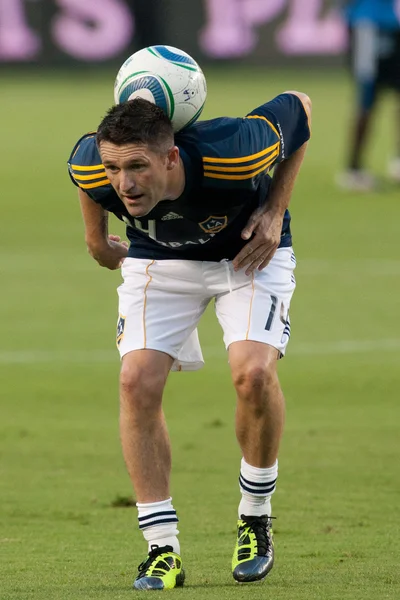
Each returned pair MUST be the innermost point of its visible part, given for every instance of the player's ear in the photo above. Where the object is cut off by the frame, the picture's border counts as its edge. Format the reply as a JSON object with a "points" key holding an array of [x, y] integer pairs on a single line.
{"points": [[172, 157]]}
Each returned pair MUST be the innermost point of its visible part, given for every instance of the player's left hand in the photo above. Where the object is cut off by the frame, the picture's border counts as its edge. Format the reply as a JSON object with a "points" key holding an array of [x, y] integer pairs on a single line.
{"points": [[265, 227], [116, 243], [117, 238]]}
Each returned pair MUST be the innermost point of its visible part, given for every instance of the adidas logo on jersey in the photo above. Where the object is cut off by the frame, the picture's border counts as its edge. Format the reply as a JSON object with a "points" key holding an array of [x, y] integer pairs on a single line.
{"points": [[171, 215]]}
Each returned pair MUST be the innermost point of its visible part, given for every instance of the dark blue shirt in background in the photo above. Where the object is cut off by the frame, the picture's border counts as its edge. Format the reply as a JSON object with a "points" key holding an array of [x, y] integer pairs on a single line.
{"points": [[380, 12]]}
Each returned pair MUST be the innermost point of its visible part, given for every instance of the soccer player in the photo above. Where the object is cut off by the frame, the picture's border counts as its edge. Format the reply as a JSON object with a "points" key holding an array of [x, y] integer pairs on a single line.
{"points": [[205, 221], [375, 57]]}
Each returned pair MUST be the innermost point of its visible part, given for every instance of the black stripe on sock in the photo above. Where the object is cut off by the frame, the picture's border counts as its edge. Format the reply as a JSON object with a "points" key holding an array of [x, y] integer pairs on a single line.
{"points": [[254, 484], [157, 514], [259, 492], [161, 522]]}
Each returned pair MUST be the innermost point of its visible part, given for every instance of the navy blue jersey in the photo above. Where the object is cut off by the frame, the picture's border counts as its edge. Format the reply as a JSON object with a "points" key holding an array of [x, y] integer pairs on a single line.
{"points": [[226, 162]]}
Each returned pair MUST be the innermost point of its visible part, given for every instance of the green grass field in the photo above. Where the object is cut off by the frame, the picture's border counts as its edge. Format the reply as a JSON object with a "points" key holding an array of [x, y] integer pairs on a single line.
{"points": [[337, 502]]}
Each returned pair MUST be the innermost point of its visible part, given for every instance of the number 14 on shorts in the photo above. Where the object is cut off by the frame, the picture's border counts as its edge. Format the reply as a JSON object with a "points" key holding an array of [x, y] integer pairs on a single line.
{"points": [[282, 317]]}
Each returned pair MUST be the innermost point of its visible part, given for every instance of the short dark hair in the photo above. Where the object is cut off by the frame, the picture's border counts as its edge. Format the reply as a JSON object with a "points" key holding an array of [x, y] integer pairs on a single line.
{"points": [[136, 121]]}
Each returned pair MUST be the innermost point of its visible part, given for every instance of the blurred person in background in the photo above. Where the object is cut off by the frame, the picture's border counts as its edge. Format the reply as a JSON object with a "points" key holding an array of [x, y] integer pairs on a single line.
{"points": [[205, 221], [374, 28]]}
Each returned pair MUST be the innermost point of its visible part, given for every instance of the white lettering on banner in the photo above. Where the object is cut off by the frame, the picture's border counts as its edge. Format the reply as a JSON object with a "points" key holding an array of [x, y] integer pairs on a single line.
{"points": [[259, 11], [226, 33], [87, 29], [17, 40], [230, 29], [306, 32]]}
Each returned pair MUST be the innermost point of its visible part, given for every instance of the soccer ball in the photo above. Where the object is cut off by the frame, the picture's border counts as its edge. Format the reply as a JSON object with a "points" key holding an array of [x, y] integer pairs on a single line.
{"points": [[166, 76]]}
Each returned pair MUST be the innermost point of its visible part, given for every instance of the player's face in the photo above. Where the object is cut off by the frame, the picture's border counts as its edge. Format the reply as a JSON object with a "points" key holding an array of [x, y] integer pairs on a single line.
{"points": [[138, 174]]}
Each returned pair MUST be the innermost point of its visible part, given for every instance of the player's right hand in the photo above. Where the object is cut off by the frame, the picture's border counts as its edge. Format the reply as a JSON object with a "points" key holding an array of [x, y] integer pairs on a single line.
{"points": [[112, 254]]}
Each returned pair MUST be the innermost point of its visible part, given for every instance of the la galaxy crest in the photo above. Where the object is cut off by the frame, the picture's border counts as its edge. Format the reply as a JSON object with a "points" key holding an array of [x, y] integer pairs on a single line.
{"points": [[214, 224], [120, 329]]}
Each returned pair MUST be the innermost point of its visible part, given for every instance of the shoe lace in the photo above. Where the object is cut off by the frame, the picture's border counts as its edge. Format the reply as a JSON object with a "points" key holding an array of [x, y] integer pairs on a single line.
{"points": [[260, 526], [154, 552]]}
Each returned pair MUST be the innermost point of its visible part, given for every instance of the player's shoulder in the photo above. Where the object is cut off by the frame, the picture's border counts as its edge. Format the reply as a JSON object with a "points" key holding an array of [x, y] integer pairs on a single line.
{"points": [[85, 152], [227, 136], [234, 150], [209, 132], [84, 164]]}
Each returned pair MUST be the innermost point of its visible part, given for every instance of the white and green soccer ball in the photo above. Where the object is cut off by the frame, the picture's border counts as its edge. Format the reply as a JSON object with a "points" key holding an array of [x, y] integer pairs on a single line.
{"points": [[166, 76]]}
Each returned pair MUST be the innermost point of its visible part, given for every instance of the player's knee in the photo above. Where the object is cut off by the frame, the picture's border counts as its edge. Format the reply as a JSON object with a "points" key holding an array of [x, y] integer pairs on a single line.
{"points": [[139, 390], [254, 380]]}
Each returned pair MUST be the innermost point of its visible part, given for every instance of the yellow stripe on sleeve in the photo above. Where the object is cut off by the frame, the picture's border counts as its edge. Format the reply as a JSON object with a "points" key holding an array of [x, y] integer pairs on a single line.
{"points": [[238, 177], [76, 150], [86, 177], [232, 170], [242, 159], [92, 168], [89, 186], [264, 119]]}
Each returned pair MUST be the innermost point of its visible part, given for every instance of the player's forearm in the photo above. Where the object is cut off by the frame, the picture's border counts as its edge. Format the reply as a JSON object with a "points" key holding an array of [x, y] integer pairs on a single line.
{"points": [[95, 219], [283, 181], [96, 237], [99, 246]]}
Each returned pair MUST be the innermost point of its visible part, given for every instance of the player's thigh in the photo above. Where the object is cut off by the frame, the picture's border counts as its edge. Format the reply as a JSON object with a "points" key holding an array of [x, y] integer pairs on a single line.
{"points": [[160, 304], [364, 61], [257, 308], [364, 50], [388, 70]]}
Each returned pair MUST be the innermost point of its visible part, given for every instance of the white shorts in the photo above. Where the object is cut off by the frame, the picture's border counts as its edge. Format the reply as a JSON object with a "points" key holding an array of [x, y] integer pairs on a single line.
{"points": [[161, 303]]}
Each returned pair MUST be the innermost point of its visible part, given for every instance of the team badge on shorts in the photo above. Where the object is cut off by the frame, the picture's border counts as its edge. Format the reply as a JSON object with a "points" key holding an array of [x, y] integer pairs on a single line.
{"points": [[214, 224], [120, 329]]}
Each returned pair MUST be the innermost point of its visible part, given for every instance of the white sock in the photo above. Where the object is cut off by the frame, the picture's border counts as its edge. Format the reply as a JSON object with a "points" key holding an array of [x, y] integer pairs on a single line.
{"points": [[158, 522], [257, 486]]}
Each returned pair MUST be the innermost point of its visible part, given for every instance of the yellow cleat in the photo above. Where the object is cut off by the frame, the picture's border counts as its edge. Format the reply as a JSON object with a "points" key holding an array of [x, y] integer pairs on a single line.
{"points": [[253, 557], [162, 570]]}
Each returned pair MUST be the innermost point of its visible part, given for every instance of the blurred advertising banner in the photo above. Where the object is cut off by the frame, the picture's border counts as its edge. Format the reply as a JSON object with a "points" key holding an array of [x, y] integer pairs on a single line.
{"points": [[55, 32]]}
